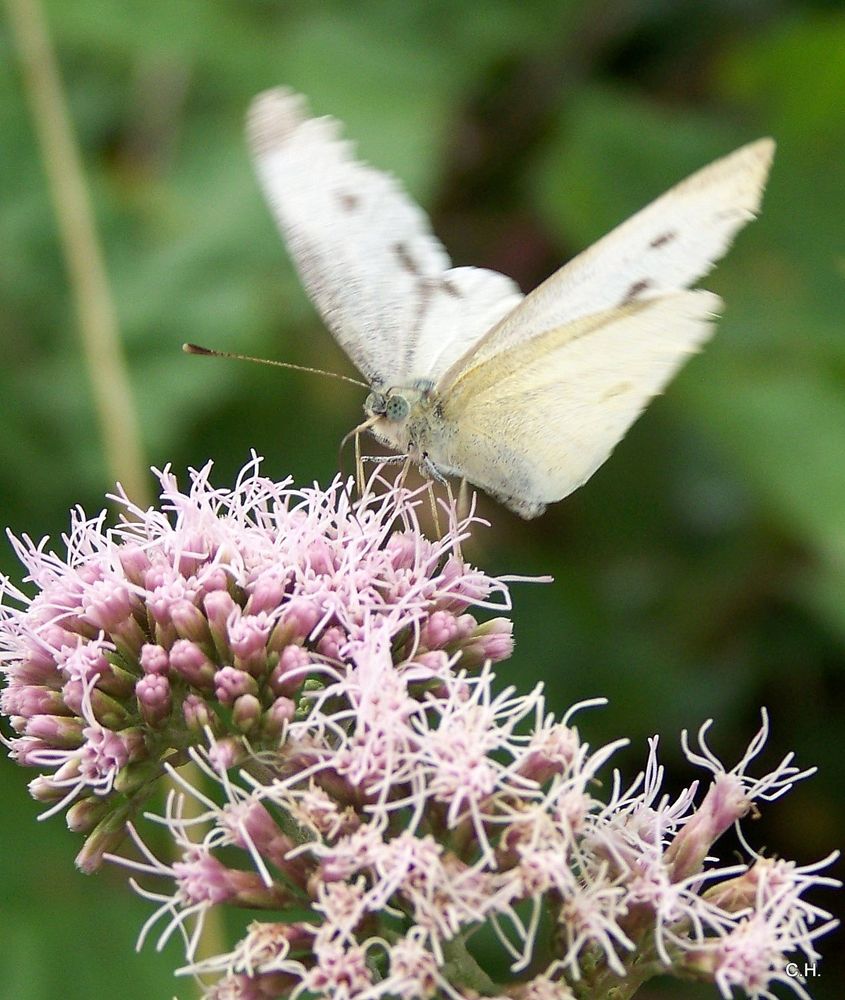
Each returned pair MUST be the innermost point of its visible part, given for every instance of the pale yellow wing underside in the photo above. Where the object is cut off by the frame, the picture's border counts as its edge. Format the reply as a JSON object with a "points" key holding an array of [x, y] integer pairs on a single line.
{"points": [[533, 423]]}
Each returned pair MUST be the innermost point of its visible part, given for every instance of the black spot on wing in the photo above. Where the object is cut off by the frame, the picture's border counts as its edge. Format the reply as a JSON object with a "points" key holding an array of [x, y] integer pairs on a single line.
{"points": [[450, 288], [405, 259], [636, 289], [348, 202], [663, 239]]}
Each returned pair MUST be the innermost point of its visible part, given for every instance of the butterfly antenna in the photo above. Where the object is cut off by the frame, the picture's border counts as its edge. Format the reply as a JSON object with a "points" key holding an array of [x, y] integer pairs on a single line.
{"points": [[208, 352]]}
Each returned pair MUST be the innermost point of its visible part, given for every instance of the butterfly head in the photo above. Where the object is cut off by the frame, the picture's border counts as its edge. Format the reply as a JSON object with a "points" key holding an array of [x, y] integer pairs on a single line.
{"points": [[391, 405], [394, 415]]}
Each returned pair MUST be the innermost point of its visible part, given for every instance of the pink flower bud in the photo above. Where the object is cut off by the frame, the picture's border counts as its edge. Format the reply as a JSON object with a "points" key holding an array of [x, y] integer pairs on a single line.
{"points": [[104, 753], [107, 604], [38, 654], [203, 878], [28, 700], [134, 561], [230, 684], [439, 630], [212, 579], [291, 670], [85, 814], [402, 550], [83, 662], [296, 622], [128, 637], [108, 711], [219, 608], [29, 751], [724, 804], [331, 642], [248, 635], [73, 696], [263, 831], [491, 641], [224, 754], [553, 750], [435, 660], [163, 599], [154, 701], [164, 634], [194, 553], [156, 577], [44, 789], [266, 592], [319, 557], [461, 586], [55, 730], [196, 713], [190, 662], [38, 669], [189, 621], [282, 711], [154, 659], [106, 837], [246, 713]]}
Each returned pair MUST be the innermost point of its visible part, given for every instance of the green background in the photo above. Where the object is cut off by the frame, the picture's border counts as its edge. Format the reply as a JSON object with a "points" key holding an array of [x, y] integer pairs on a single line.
{"points": [[700, 574]]}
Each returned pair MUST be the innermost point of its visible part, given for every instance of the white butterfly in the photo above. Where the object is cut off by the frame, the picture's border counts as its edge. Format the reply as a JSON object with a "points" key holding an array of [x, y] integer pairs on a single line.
{"points": [[524, 396]]}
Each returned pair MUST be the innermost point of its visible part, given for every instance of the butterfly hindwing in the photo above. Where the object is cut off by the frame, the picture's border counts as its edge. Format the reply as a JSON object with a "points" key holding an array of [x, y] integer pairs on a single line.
{"points": [[532, 424]]}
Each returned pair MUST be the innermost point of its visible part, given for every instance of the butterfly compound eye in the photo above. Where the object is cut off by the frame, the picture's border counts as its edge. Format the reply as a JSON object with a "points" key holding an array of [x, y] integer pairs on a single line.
{"points": [[374, 404], [397, 408]]}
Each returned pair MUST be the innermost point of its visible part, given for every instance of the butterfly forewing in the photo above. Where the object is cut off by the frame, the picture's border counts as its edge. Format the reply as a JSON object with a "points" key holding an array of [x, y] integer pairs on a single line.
{"points": [[381, 280], [667, 246]]}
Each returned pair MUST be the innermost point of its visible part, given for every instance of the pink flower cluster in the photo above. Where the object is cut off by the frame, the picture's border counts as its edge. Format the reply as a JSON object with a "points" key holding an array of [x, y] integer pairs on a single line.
{"points": [[365, 783], [412, 823], [224, 612]]}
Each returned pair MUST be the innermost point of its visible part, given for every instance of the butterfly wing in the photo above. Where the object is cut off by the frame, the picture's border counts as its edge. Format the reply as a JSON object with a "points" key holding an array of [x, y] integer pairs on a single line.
{"points": [[380, 279], [532, 424], [667, 246]]}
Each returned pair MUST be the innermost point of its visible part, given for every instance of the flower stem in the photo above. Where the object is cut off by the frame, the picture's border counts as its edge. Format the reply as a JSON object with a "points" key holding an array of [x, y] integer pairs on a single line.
{"points": [[461, 967], [95, 309]]}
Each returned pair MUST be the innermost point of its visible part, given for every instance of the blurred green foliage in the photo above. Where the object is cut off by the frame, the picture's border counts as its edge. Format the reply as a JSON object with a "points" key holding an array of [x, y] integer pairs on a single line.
{"points": [[700, 573]]}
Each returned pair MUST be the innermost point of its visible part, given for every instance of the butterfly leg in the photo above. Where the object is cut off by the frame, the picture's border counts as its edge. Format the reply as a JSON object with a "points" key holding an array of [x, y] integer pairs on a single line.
{"points": [[405, 469], [432, 475], [347, 484], [359, 466], [455, 517], [433, 502], [463, 500], [385, 459], [430, 470]]}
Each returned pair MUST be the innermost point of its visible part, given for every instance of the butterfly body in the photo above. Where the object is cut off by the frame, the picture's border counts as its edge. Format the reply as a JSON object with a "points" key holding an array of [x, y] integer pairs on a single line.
{"points": [[523, 396]]}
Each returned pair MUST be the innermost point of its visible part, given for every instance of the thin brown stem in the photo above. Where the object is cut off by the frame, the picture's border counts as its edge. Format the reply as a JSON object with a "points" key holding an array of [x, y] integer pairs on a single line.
{"points": [[93, 301], [95, 310]]}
